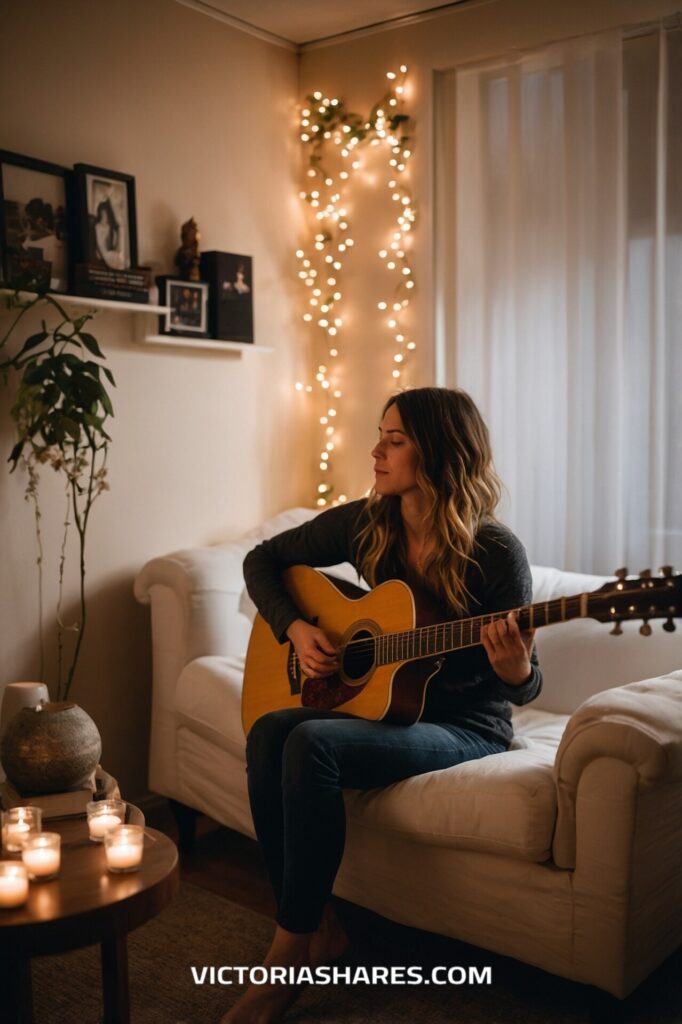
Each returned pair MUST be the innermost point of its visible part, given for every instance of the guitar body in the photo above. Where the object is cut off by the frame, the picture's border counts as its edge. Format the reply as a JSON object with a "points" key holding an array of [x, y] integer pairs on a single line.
{"points": [[395, 692]]}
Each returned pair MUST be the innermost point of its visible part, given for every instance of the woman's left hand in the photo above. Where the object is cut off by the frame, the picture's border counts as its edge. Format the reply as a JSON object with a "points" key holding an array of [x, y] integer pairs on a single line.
{"points": [[508, 649]]}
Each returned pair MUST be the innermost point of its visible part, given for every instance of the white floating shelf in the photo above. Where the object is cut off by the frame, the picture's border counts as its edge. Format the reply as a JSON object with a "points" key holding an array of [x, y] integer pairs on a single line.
{"points": [[187, 341], [93, 303]]}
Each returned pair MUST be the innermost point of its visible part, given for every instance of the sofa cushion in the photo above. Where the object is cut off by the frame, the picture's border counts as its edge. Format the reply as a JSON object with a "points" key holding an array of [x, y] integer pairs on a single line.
{"points": [[504, 803], [208, 701]]}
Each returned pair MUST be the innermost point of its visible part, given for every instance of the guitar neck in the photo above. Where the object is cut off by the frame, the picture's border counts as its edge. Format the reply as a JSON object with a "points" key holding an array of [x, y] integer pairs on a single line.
{"points": [[444, 637]]}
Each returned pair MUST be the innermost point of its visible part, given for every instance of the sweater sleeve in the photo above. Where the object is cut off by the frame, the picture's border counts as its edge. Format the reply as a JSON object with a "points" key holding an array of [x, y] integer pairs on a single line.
{"points": [[508, 585], [323, 541]]}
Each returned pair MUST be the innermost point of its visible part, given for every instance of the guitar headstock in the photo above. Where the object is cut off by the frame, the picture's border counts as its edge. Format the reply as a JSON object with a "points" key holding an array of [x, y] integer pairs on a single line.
{"points": [[639, 597]]}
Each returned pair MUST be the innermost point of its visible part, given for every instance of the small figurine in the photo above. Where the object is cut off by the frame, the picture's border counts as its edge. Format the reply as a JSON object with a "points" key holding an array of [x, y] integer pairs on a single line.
{"points": [[187, 256]]}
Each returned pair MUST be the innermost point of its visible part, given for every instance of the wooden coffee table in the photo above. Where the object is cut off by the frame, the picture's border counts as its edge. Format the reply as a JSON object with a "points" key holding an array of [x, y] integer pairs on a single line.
{"points": [[86, 904]]}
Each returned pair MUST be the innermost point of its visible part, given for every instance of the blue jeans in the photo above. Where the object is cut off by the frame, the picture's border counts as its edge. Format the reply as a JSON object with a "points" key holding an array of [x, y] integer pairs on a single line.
{"points": [[299, 760]]}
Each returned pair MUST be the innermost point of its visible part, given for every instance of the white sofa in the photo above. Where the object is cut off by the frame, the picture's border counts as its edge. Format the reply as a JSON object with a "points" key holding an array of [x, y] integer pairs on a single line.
{"points": [[564, 852]]}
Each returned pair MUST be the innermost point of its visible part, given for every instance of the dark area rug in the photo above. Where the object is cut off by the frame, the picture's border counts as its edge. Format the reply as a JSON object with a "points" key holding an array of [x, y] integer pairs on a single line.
{"points": [[203, 929]]}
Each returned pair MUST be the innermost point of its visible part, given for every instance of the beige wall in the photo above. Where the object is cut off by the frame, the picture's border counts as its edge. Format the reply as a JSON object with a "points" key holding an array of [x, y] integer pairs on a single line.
{"points": [[356, 70], [204, 444]]}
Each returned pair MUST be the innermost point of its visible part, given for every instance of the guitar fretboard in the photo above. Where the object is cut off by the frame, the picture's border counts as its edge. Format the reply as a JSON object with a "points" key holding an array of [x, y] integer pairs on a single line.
{"points": [[451, 636]]}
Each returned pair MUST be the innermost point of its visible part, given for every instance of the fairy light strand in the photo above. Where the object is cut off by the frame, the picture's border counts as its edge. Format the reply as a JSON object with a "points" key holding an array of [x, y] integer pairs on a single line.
{"points": [[332, 136]]}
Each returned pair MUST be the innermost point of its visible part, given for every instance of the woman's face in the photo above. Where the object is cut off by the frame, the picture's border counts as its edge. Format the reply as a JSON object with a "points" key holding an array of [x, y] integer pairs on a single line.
{"points": [[395, 457]]}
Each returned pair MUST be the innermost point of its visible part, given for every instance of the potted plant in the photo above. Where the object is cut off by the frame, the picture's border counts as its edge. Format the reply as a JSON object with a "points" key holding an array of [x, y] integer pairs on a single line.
{"points": [[60, 411]]}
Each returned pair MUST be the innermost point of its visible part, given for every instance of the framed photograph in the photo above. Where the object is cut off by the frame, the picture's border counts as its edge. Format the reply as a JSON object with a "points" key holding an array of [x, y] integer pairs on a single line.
{"points": [[106, 213], [188, 301], [35, 218]]}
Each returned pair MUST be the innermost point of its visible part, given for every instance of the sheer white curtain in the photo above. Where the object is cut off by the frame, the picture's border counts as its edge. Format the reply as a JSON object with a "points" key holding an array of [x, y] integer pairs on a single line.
{"points": [[560, 283]]}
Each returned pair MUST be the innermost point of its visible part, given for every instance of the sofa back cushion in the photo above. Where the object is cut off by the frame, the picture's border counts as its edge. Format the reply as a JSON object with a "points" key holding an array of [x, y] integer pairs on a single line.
{"points": [[581, 658]]}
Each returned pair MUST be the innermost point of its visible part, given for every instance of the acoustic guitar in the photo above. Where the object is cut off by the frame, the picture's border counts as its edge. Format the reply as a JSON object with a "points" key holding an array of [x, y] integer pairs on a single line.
{"points": [[390, 645]]}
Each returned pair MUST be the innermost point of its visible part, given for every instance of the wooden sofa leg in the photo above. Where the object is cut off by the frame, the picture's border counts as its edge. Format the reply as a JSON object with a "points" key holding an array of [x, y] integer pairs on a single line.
{"points": [[185, 819]]}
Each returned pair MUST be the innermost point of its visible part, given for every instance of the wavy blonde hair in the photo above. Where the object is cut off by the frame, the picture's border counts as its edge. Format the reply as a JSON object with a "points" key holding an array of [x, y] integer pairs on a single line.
{"points": [[455, 473]]}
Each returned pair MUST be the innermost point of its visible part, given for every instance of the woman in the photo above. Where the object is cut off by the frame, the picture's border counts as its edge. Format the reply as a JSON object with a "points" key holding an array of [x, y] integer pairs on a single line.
{"points": [[430, 522]]}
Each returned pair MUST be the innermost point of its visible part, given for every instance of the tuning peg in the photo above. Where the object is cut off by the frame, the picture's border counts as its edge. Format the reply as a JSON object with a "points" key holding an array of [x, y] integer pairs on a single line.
{"points": [[621, 574], [645, 574], [666, 570], [617, 630], [669, 625], [645, 629]]}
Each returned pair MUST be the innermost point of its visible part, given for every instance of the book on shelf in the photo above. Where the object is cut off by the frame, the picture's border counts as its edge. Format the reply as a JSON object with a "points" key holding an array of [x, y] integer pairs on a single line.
{"points": [[97, 281]]}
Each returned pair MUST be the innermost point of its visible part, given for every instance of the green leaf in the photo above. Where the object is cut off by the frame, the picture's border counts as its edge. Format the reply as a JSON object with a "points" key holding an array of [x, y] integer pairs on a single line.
{"points": [[71, 427], [32, 342], [91, 344], [106, 403], [109, 375], [15, 454]]}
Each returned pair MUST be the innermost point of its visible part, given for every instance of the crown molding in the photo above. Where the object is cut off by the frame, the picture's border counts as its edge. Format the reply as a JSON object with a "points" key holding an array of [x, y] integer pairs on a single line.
{"points": [[205, 7]]}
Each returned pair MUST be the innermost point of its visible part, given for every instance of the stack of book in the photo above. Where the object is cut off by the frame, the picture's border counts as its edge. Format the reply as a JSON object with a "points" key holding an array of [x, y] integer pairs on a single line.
{"points": [[101, 282]]}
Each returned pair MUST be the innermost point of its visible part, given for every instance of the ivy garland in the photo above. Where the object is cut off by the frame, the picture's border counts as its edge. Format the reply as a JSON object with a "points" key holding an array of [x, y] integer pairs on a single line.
{"points": [[331, 135]]}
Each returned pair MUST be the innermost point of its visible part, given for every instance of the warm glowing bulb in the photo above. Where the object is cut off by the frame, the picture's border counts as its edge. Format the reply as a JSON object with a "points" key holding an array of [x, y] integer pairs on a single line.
{"points": [[406, 271], [324, 456], [410, 284], [299, 386], [307, 317], [398, 358], [392, 324], [396, 373], [323, 420], [397, 305], [391, 265], [390, 74], [411, 345], [381, 305], [403, 68]]}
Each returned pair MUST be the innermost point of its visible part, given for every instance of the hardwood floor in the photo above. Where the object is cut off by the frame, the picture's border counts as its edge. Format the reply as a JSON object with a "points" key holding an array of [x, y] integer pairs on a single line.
{"points": [[231, 865]]}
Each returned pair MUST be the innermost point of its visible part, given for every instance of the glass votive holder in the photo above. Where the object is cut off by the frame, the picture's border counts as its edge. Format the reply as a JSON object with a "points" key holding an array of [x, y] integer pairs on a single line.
{"points": [[17, 824], [42, 856], [123, 847], [13, 883], [103, 815]]}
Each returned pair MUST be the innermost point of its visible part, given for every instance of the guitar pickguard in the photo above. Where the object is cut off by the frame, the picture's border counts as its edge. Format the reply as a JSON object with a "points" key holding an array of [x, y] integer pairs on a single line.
{"points": [[327, 694]]}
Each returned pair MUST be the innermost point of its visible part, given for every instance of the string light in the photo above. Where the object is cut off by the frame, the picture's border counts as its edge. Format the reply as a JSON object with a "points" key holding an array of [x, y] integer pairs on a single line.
{"points": [[331, 135]]}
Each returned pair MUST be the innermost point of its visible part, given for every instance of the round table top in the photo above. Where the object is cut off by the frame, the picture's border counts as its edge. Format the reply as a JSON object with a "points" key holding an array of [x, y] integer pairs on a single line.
{"points": [[87, 903]]}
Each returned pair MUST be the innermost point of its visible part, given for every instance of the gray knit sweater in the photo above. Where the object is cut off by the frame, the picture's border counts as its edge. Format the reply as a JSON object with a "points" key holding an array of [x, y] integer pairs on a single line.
{"points": [[466, 692]]}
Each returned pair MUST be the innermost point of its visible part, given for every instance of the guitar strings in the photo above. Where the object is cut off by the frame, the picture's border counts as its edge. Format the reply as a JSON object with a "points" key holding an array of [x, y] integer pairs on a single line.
{"points": [[413, 637]]}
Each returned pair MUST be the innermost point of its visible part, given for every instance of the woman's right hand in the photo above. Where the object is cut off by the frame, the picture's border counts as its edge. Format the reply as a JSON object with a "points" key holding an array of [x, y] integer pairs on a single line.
{"points": [[316, 654]]}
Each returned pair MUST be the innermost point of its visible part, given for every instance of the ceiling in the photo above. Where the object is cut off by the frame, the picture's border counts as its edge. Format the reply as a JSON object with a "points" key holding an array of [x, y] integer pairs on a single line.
{"points": [[301, 22]]}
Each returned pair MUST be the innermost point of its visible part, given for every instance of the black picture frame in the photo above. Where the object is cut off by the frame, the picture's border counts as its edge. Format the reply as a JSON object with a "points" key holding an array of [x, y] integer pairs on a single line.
{"points": [[107, 218], [36, 223], [188, 301]]}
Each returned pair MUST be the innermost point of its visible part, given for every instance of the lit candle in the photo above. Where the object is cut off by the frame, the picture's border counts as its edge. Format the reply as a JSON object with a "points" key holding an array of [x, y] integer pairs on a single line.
{"points": [[17, 824], [128, 856], [15, 833], [13, 884], [42, 856], [123, 847], [101, 823], [104, 815]]}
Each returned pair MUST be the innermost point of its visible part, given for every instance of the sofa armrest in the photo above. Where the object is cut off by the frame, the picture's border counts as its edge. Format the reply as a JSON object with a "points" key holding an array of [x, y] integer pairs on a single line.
{"points": [[639, 724], [205, 584]]}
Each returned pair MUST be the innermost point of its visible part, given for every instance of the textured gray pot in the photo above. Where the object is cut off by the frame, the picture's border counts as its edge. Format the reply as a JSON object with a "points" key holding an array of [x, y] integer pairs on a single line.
{"points": [[50, 749]]}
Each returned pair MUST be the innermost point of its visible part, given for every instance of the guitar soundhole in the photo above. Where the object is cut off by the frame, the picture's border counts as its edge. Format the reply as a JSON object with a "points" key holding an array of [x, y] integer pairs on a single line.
{"points": [[358, 657]]}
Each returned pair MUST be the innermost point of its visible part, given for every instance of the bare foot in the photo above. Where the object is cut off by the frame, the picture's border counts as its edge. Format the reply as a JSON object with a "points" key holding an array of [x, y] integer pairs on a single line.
{"points": [[264, 1004], [330, 941]]}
